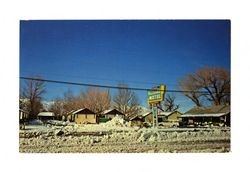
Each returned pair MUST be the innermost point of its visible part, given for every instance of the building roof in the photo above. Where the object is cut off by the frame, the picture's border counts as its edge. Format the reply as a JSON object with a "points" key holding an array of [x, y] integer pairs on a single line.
{"points": [[141, 115], [84, 111], [112, 111], [168, 113], [134, 117], [212, 111], [146, 113], [21, 110], [70, 112], [209, 110], [165, 113], [205, 115], [46, 114]]}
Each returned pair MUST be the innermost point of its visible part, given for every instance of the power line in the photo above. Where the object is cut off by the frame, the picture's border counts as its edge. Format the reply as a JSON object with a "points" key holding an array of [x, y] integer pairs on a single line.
{"points": [[95, 78], [108, 86]]}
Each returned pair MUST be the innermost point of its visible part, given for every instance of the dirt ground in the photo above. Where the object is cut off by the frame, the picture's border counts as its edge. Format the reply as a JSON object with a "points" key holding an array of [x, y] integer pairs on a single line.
{"points": [[122, 139]]}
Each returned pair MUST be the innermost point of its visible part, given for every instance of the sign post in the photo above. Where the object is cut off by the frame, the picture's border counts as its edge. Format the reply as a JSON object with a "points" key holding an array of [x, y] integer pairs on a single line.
{"points": [[155, 115], [155, 96]]}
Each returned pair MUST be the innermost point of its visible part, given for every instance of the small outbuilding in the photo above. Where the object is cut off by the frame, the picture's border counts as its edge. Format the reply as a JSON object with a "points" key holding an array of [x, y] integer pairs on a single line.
{"points": [[23, 118], [141, 119], [169, 116], [111, 113], [147, 116], [69, 116], [84, 116], [23, 115], [136, 120], [44, 116], [169, 119]]}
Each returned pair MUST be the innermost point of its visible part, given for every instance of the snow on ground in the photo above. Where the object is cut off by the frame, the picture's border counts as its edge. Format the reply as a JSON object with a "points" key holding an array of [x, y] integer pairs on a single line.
{"points": [[117, 136]]}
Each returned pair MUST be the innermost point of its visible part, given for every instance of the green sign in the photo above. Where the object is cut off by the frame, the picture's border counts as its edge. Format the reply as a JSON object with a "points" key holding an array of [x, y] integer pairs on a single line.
{"points": [[157, 95], [154, 96]]}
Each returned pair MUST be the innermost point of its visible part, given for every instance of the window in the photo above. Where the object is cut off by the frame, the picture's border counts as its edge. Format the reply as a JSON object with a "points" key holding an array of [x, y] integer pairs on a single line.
{"points": [[160, 120]]}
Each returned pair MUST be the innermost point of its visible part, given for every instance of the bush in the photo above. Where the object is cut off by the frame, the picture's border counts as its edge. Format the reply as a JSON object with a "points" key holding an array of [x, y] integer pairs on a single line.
{"points": [[102, 120]]}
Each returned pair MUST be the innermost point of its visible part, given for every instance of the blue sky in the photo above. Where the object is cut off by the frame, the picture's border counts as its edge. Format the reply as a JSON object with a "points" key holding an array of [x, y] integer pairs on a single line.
{"points": [[141, 53]]}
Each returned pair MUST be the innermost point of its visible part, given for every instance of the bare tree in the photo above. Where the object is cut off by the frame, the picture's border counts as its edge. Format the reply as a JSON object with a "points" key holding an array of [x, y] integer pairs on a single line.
{"points": [[188, 84], [57, 107], [32, 92], [96, 100], [214, 80], [126, 101], [68, 100], [169, 103], [62, 106]]}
